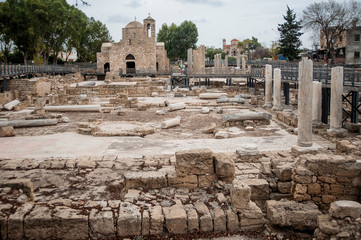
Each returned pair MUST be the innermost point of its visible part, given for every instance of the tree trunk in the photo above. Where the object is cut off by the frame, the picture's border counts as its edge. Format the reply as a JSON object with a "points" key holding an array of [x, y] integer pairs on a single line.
{"points": [[26, 57]]}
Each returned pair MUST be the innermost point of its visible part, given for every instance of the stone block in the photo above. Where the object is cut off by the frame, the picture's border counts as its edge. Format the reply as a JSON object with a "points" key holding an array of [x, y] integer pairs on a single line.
{"points": [[145, 179], [284, 187], [314, 189], [101, 224], [240, 194], [192, 220], [85, 162], [300, 193], [7, 131], [232, 221], [15, 226], [194, 162], [129, 220], [205, 219], [145, 223], [224, 167], [157, 219], [251, 217], [175, 219], [219, 219], [290, 214], [284, 172], [259, 188], [342, 209], [59, 223], [210, 128], [326, 226]]}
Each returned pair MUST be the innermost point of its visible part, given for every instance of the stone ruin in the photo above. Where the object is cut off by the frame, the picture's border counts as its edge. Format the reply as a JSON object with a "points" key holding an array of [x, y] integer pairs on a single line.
{"points": [[132, 158]]}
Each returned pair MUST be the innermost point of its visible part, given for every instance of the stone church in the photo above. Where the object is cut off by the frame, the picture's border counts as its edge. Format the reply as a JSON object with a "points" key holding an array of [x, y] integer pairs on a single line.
{"points": [[137, 52]]}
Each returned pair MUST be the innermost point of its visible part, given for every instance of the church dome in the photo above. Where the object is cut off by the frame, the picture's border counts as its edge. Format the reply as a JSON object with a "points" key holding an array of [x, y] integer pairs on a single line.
{"points": [[134, 24]]}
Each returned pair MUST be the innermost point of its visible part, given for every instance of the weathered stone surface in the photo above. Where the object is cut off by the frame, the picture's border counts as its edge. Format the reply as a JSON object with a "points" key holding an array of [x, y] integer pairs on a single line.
{"points": [[85, 162], [211, 95], [299, 216], [129, 220], [248, 116], [206, 181], [157, 219], [192, 220], [15, 226], [190, 181], [326, 226], [224, 167], [205, 219], [314, 189], [175, 219], [342, 209], [219, 219], [145, 180], [24, 184], [251, 217], [210, 128], [7, 131], [29, 123], [145, 223], [240, 194], [284, 187], [284, 172], [101, 224], [259, 188], [60, 223], [300, 193], [197, 161], [232, 221], [176, 106]]}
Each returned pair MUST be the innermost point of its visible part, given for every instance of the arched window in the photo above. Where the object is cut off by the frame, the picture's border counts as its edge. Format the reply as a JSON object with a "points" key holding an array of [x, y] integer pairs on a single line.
{"points": [[149, 28], [106, 67], [130, 57]]}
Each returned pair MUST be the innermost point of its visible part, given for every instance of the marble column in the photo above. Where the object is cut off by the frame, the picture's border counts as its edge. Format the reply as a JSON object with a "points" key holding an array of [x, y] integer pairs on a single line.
{"points": [[305, 78], [336, 99], [317, 102], [190, 60], [268, 86], [277, 91], [243, 63], [226, 61], [238, 60], [202, 59]]}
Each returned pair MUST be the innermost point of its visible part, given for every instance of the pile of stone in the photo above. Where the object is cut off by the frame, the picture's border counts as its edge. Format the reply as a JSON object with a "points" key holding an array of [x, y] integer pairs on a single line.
{"points": [[259, 118], [349, 146], [343, 221]]}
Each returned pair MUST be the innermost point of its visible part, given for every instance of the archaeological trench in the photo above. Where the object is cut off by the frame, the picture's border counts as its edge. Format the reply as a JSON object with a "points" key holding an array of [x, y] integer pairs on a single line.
{"points": [[137, 158]]}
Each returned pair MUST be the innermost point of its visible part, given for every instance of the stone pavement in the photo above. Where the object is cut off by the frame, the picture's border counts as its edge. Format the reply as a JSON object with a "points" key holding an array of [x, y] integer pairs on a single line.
{"points": [[73, 145]]}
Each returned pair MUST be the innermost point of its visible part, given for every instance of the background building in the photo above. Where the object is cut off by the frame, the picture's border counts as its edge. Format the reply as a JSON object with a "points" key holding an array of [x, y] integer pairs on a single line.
{"points": [[137, 52]]}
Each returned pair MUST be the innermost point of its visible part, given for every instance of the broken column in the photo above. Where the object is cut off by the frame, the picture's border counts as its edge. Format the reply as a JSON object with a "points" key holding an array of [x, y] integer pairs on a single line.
{"points": [[243, 63], [201, 59], [305, 76], [190, 60], [268, 86], [317, 102], [277, 105], [238, 60], [336, 100], [226, 61]]}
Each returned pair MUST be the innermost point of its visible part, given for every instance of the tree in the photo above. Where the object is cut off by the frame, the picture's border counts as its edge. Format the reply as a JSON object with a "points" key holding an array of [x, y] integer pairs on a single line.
{"points": [[249, 45], [92, 39], [211, 51], [330, 19], [290, 36], [178, 39]]}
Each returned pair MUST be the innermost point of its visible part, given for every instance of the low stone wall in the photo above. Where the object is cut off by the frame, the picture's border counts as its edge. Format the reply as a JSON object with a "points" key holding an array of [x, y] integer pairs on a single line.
{"points": [[326, 178]]}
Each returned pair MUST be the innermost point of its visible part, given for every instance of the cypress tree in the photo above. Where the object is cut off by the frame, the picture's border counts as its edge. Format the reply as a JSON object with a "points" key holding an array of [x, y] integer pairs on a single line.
{"points": [[290, 36]]}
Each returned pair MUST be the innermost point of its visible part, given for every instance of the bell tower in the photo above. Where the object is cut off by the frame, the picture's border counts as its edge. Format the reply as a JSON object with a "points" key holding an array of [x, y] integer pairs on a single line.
{"points": [[149, 27]]}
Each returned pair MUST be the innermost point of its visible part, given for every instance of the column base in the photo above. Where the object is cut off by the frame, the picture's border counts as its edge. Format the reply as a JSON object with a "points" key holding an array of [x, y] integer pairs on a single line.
{"points": [[337, 132], [298, 150]]}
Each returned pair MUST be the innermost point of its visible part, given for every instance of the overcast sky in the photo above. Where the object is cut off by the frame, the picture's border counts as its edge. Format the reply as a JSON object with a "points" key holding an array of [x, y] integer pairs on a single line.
{"points": [[215, 19]]}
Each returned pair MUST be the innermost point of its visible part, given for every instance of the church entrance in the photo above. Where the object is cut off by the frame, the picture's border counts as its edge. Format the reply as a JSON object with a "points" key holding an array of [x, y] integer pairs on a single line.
{"points": [[130, 64]]}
